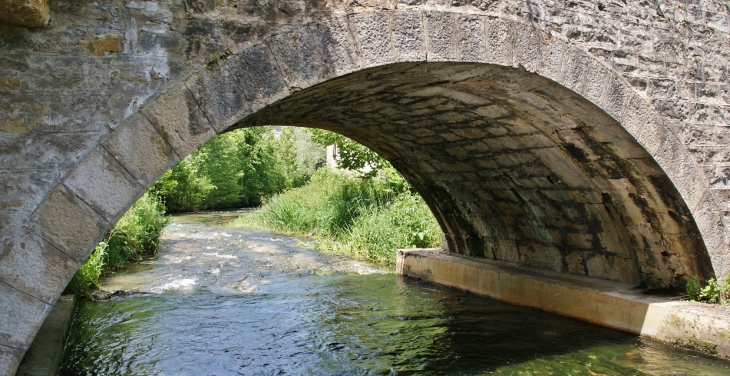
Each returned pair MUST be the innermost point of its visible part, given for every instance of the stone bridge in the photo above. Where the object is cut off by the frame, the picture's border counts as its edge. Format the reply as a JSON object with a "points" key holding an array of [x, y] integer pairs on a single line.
{"points": [[585, 137]]}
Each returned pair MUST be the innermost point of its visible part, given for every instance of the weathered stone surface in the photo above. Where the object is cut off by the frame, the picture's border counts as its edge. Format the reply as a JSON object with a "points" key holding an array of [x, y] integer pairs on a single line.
{"points": [[141, 150], [297, 54], [32, 13], [22, 316], [338, 45], [179, 119], [75, 237], [104, 184], [34, 266], [372, 32], [408, 35], [10, 358]]}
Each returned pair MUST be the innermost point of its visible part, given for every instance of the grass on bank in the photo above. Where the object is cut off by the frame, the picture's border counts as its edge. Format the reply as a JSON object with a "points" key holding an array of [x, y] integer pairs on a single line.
{"points": [[135, 237], [364, 218]]}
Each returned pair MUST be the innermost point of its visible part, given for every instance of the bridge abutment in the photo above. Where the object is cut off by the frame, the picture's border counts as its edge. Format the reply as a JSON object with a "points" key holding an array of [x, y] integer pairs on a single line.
{"points": [[616, 305]]}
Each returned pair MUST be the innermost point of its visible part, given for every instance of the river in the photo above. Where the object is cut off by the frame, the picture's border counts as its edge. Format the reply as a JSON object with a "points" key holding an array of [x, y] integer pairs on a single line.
{"points": [[230, 301]]}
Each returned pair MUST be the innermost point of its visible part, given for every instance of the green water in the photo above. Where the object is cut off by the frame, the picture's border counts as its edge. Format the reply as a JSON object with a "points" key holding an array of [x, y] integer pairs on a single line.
{"points": [[226, 301]]}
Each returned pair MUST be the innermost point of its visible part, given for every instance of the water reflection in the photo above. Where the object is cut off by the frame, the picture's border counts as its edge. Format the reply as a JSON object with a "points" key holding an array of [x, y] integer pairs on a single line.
{"points": [[226, 301]]}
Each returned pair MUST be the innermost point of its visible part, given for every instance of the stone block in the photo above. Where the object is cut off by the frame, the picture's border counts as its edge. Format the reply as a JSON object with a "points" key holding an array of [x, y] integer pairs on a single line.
{"points": [[541, 256], [25, 189], [372, 32], [141, 150], [179, 119], [408, 36], [34, 266], [69, 223], [561, 165], [640, 120], [258, 75], [709, 222], [441, 39], [597, 78], [33, 13], [22, 316], [575, 66], [526, 47], [679, 166], [219, 94], [10, 358], [103, 183], [575, 263], [337, 45], [11, 222], [39, 150], [552, 50], [470, 37], [617, 94], [299, 57], [499, 42]]}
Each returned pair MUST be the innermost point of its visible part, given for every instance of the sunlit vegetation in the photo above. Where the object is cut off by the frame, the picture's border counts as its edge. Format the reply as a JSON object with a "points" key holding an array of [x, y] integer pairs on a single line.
{"points": [[134, 237], [239, 169], [713, 291], [367, 213]]}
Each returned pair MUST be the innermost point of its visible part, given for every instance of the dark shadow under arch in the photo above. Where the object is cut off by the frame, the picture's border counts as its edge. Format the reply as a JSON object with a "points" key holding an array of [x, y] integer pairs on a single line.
{"points": [[515, 167]]}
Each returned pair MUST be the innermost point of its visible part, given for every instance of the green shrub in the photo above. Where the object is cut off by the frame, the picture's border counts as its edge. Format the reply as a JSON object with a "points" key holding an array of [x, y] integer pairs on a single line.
{"points": [[87, 277], [327, 205], [405, 223], [137, 233], [364, 218], [234, 169], [135, 236], [713, 292]]}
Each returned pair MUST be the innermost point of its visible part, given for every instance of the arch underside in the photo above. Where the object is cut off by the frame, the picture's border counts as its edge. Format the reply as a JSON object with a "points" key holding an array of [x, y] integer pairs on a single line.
{"points": [[515, 167]]}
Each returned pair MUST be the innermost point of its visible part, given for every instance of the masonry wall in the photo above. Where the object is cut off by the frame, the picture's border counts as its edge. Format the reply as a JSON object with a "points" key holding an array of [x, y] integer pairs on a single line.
{"points": [[105, 98]]}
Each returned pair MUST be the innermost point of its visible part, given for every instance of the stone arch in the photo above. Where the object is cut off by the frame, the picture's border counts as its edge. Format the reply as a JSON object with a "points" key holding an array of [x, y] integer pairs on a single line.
{"points": [[536, 76]]}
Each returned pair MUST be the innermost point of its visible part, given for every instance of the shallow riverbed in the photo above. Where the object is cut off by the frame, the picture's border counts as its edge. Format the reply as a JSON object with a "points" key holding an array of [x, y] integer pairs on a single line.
{"points": [[224, 301]]}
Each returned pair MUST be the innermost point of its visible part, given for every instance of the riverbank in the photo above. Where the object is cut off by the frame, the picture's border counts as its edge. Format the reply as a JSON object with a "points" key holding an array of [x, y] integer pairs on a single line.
{"points": [[363, 218], [693, 325]]}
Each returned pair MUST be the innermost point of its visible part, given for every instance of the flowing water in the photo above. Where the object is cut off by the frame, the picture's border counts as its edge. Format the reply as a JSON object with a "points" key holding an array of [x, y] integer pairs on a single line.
{"points": [[226, 301]]}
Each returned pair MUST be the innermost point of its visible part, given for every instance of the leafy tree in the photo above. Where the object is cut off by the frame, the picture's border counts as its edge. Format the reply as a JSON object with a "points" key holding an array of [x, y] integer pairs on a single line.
{"points": [[234, 169], [184, 187], [353, 156], [298, 155]]}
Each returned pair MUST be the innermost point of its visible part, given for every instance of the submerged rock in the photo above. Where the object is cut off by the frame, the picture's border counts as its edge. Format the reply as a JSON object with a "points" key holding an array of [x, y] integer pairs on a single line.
{"points": [[106, 295]]}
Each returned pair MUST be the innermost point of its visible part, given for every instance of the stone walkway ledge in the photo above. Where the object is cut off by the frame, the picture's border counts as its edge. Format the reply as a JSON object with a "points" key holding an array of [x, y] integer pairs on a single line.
{"points": [[699, 326]]}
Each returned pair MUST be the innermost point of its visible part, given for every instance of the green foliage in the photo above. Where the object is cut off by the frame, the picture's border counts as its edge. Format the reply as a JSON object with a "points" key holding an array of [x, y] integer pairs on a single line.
{"points": [[328, 205], [234, 169], [713, 292], [297, 155], [352, 155], [365, 218], [184, 187], [135, 236], [405, 223], [87, 277], [137, 233]]}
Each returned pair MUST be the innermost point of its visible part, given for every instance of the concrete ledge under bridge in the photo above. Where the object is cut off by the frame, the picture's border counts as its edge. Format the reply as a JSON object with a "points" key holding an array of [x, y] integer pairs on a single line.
{"points": [[616, 305]]}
